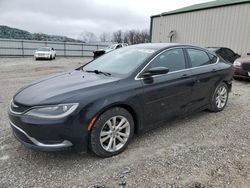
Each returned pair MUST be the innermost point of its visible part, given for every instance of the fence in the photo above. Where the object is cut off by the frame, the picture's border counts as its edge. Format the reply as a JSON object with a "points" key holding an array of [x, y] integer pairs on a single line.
{"points": [[11, 47]]}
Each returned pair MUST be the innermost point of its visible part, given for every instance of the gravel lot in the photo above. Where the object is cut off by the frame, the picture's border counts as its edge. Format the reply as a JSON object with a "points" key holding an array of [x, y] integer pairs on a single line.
{"points": [[202, 150]]}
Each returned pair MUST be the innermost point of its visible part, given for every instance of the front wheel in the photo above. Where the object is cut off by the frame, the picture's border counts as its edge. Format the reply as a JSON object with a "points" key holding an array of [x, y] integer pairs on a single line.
{"points": [[219, 98], [112, 132]]}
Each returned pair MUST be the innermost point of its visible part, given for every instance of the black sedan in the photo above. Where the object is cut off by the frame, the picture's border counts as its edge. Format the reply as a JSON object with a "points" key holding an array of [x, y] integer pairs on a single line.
{"points": [[130, 90]]}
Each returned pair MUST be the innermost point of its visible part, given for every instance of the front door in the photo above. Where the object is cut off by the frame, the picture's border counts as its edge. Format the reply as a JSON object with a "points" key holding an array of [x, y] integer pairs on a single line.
{"points": [[165, 96]]}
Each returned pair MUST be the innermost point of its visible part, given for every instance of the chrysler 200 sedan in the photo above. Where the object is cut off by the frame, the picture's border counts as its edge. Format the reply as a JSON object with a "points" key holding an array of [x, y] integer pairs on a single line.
{"points": [[101, 105]]}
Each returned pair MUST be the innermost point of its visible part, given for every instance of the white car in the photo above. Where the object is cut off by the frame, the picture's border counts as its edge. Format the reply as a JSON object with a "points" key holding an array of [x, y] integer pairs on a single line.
{"points": [[110, 48], [45, 53], [115, 46]]}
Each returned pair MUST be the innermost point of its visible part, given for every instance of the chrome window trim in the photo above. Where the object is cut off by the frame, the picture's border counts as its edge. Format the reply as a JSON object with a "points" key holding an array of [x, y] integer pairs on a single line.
{"points": [[65, 143], [138, 78]]}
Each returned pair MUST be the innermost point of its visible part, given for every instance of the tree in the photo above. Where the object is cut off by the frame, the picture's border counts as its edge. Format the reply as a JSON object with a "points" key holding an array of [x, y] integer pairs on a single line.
{"points": [[87, 36], [136, 36], [105, 37], [131, 36], [145, 36], [117, 36]]}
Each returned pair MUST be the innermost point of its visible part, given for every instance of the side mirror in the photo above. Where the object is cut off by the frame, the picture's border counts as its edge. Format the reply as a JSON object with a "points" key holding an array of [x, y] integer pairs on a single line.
{"points": [[155, 71]]}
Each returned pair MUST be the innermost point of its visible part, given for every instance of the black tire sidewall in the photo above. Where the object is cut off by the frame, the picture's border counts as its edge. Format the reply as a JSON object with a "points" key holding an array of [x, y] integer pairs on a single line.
{"points": [[95, 144]]}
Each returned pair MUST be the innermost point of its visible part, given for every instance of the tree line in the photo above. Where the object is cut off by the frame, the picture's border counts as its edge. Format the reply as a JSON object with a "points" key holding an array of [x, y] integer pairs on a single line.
{"points": [[119, 36]]}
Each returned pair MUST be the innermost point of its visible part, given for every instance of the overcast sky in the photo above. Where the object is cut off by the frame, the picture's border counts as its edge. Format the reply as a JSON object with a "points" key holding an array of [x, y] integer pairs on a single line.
{"points": [[72, 17]]}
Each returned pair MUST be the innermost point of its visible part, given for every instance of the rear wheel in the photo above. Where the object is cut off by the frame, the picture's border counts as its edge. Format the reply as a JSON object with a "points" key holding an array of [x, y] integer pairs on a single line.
{"points": [[112, 132], [219, 98]]}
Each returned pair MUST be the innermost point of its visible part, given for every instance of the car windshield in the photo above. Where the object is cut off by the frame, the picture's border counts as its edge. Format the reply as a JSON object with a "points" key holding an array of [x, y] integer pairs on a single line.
{"points": [[122, 61], [44, 49]]}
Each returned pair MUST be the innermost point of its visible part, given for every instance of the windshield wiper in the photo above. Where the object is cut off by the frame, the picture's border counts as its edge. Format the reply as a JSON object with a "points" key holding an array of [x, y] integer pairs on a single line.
{"points": [[99, 72]]}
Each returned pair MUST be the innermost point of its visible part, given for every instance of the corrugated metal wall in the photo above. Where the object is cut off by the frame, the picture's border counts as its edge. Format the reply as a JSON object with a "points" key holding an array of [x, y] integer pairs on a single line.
{"points": [[224, 26], [9, 47]]}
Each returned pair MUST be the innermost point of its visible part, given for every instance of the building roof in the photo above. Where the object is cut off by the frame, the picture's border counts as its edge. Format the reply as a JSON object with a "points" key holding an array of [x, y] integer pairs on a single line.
{"points": [[202, 6]]}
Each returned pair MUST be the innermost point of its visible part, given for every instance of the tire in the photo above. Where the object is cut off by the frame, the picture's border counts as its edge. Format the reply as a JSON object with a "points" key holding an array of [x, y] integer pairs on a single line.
{"points": [[50, 58], [219, 98], [103, 146], [54, 56]]}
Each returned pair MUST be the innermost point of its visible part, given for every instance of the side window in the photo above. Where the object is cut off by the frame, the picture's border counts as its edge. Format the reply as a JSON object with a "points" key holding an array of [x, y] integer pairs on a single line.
{"points": [[172, 59], [213, 58], [198, 57]]}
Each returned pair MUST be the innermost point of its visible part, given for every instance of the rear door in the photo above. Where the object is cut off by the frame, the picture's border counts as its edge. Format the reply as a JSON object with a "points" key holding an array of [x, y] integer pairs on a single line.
{"points": [[205, 74], [167, 95]]}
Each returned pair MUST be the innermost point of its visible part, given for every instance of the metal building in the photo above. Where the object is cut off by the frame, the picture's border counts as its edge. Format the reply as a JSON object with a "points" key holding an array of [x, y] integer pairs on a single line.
{"points": [[222, 23]]}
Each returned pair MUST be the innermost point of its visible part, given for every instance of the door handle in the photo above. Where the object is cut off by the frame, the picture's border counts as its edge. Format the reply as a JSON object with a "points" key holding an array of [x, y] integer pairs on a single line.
{"points": [[214, 70], [184, 76]]}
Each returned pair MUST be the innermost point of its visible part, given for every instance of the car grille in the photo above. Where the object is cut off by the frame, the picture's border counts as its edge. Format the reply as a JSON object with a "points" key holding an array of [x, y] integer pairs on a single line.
{"points": [[21, 136], [246, 66], [18, 108], [41, 54]]}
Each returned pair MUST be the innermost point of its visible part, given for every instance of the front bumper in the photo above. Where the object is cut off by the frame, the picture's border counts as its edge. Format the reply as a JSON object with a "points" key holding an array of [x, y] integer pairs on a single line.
{"points": [[240, 73], [44, 56], [50, 135], [31, 142]]}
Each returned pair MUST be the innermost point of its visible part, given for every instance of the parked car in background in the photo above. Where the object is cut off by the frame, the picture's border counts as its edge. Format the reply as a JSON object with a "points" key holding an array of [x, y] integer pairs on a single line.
{"points": [[110, 48], [100, 105], [226, 53], [242, 67], [45, 53]]}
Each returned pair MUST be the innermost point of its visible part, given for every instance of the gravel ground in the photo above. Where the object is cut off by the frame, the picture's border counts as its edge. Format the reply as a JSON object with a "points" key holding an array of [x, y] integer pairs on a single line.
{"points": [[202, 150]]}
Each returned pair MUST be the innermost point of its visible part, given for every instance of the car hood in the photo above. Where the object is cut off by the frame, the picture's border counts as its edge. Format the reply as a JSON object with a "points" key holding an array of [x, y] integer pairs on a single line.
{"points": [[62, 87], [43, 52]]}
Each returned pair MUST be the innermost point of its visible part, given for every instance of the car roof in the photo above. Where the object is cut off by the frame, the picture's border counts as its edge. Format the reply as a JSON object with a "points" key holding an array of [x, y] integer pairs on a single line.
{"points": [[162, 46], [155, 46], [213, 48]]}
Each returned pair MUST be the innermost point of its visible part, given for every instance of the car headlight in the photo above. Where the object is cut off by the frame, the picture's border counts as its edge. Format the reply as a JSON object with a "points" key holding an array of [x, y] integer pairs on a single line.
{"points": [[53, 112], [237, 64]]}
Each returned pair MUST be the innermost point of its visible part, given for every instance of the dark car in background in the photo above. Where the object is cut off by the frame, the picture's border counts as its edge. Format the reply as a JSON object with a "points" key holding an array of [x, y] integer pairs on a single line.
{"points": [[110, 48], [226, 53], [242, 67], [101, 105]]}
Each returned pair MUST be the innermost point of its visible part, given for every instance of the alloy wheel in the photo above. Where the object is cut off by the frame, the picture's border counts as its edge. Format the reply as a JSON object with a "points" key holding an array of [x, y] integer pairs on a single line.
{"points": [[221, 97], [115, 133]]}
